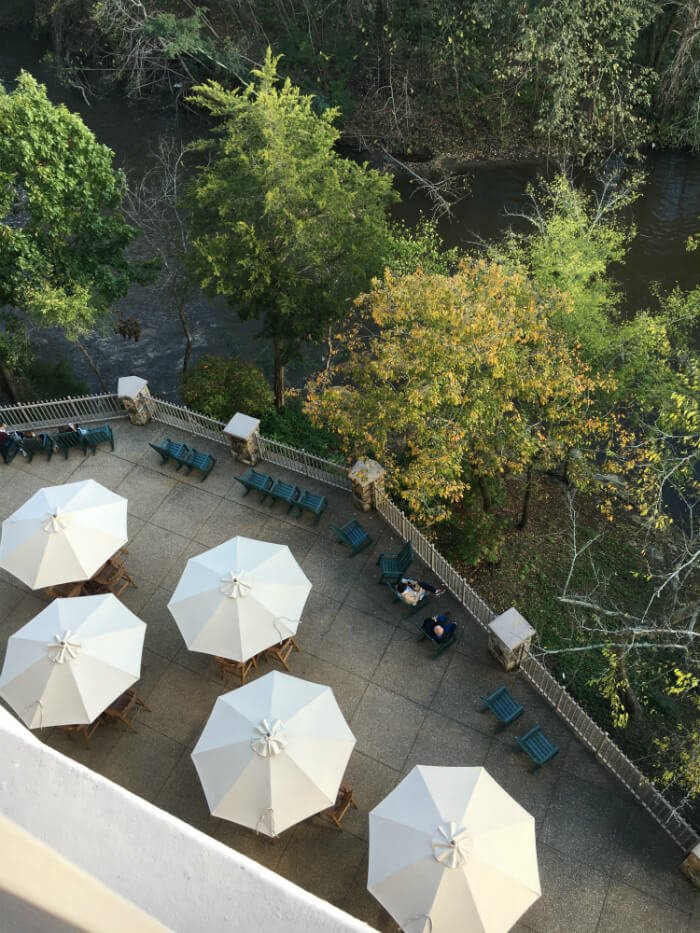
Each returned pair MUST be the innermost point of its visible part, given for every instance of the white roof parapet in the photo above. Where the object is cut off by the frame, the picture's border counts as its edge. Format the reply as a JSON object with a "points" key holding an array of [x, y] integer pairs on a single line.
{"points": [[130, 386], [511, 628], [242, 426], [177, 874]]}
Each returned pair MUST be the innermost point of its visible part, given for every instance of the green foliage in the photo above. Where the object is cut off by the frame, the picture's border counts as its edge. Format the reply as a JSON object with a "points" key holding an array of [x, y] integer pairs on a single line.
{"points": [[282, 226], [52, 380], [219, 386], [15, 350], [62, 238], [421, 247], [292, 426]]}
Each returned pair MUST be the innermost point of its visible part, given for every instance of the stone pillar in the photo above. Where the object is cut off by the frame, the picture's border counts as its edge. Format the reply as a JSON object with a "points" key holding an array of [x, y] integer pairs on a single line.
{"points": [[367, 477], [134, 393], [691, 867], [509, 638], [243, 432]]}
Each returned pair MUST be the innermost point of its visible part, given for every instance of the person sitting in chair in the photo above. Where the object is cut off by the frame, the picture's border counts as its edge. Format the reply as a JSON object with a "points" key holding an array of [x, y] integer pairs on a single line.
{"points": [[9, 437], [439, 627], [412, 592]]}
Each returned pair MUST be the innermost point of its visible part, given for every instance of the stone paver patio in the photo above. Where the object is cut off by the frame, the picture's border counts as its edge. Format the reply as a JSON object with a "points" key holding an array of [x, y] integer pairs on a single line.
{"points": [[605, 865]]}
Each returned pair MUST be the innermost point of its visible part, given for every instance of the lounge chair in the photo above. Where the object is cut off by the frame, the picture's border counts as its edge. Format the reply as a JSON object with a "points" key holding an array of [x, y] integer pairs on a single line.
{"points": [[99, 435], [439, 644], [251, 479], [354, 535], [169, 450], [196, 460], [67, 440], [538, 746], [394, 566], [284, 492], [310, 502], [412, 609], [503, 705]]}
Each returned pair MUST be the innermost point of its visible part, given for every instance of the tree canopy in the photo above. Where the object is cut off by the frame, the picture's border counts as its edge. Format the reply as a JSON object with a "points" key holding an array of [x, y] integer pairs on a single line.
{"points": [[62, 237], [286, 229]]}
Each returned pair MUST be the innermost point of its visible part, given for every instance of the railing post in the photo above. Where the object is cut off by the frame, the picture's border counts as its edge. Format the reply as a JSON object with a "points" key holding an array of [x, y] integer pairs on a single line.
{"points": [[243, 433], [367, 478]]}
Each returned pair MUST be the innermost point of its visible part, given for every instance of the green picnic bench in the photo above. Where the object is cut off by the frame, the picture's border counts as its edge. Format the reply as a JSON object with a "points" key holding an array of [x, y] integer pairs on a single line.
{"points": [[502, 704]]}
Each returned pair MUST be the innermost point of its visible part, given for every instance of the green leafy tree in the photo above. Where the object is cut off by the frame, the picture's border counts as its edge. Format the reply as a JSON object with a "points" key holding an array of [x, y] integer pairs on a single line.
{"points": [[451, 382], [283, 227], [219, 386], [62, 236]]}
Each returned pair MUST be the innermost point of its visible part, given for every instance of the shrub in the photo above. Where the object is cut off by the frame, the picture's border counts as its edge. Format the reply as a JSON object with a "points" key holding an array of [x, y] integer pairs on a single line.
{"points": [[219, 386]]}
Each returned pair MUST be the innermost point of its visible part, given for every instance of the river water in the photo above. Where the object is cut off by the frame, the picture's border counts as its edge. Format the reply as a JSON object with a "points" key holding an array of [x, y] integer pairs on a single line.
{"points": [[666, 214]]}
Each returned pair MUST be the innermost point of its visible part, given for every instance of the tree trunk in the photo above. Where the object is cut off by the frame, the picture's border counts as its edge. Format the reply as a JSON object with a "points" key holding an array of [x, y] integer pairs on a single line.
{"points": [[8, 385], [188, 334], [279, 373], [632, 704], [93, 365], [486, 500], [526, 500]]}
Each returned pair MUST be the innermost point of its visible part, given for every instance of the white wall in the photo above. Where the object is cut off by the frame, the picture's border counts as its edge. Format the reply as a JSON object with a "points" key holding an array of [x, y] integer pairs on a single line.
{"points": [[182, 877]]}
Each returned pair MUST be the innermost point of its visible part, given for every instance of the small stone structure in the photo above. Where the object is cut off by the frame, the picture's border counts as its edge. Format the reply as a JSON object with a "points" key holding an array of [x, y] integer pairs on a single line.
{"points": [[134, 393], [366, 477], [243, 432], [509, 638]]}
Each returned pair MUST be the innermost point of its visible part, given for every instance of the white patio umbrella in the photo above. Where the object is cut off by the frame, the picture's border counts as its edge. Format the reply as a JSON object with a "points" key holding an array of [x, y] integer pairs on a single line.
{"points": [[273, 752], [450, 850], [63, 534], [239, 598], [72, 660]]}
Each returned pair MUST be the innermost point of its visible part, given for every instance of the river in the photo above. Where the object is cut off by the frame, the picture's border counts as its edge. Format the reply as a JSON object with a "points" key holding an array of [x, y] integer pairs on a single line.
{"points": [[666, 214]]}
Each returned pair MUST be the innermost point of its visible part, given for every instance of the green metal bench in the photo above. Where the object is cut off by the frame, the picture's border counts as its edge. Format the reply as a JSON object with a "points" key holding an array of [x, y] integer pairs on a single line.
{"points": [[394, 566], [99, 435], [284, 492], [352, 534], [538, 746], [169, 450], [503, 705], [67, 440], [197, 460], [310, 502], [251, 479]]}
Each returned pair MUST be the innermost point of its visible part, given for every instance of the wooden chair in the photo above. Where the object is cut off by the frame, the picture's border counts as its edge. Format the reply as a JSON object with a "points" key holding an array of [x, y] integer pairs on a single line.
{"points": [[281, 652], [65, 590], [112, 577], [239, 668], [285, 492], [537, 746], [99, 435], [425, 598], [87, 731], [119, 709], [502, 704], [343, 802], [196, 460], [439, 644], [394, 566], [251, 479], [354, 535], [169, 450], [310, 502], [67, 440]]}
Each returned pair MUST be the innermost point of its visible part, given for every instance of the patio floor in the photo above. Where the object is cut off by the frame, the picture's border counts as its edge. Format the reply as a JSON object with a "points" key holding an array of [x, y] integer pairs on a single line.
{"points": [[605, 865]]}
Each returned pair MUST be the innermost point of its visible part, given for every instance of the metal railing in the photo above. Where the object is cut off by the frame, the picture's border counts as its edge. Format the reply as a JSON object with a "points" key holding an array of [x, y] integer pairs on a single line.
{"points": [[178, 416], [107, 407], [55, 412], [326, 471]]}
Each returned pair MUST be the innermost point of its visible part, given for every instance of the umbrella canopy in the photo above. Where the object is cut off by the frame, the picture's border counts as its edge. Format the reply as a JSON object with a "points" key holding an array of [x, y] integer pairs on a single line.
{"points": [[273, 752], [239, 598], [450, 850], [63, 534], [72, 660]]}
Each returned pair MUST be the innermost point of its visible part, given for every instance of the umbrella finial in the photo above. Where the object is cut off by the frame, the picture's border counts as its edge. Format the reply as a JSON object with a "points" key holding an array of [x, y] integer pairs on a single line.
{"points": [[269, 739], [235, 585], [55, 521], [453, 845], [63, 649]]}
